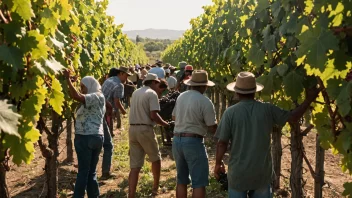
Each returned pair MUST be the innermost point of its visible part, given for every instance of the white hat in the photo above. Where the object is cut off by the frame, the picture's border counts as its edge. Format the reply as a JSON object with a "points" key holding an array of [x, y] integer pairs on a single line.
{"points": [[167, 71], [151, 76], [199, 78], [245, 84]]}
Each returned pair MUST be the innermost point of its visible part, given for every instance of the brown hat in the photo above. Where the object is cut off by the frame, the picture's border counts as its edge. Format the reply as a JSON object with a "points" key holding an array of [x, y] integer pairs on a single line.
{"points": [[245, 84], [199, 78], [125, 69]]}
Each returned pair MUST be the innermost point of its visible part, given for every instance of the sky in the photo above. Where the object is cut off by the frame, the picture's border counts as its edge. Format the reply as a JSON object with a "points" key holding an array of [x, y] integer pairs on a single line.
{"points": [[156, 14]]}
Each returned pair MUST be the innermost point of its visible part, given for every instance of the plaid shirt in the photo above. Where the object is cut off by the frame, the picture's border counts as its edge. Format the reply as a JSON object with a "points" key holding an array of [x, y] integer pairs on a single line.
{"points": [[112, 88]]}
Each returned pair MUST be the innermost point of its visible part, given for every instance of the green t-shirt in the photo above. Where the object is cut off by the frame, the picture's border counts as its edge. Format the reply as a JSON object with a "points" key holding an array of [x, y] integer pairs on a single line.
{"points": [[248, 126]]}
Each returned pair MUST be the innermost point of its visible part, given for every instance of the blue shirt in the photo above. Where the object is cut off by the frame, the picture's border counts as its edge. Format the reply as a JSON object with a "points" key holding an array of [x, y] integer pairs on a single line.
{"points": [[112, 89], [159, 71]]}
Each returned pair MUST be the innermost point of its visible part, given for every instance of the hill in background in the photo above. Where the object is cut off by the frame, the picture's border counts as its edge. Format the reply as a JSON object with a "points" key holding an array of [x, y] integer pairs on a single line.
{"points": [[155, 34]]}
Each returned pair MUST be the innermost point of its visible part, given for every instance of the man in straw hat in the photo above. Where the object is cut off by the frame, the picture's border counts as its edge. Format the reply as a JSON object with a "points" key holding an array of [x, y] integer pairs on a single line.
{"points": [[248, 125], [194, 115], [142, 140], [113, 92]]}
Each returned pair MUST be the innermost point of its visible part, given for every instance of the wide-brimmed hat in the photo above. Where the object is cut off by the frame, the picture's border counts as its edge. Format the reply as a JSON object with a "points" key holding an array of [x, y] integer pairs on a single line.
{"points": [[125, 69], [199, 78], [245, 84], [151, 76]]}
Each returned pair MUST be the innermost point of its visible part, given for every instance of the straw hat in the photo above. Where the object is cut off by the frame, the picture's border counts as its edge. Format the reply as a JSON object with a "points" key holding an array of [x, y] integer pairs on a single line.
{"points": [[125, 69], [199, 78], [245, 84], [151, 76]]}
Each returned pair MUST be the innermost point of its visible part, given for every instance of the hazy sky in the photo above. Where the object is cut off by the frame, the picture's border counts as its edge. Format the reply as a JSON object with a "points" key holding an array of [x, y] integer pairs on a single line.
{"points": [[161, 14]]}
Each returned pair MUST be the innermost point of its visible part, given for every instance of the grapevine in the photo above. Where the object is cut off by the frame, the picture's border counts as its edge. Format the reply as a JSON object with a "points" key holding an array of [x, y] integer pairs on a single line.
{"points": [[291, 46]]}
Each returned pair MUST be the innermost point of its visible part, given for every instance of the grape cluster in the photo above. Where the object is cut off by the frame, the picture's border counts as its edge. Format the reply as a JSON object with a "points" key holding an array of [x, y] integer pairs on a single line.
{"points": [[167, 104], [223, 181]]}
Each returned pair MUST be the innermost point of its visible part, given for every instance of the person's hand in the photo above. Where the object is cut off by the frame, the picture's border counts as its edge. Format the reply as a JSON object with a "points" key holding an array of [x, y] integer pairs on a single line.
{"points": [[67, 73], [219, 168]]}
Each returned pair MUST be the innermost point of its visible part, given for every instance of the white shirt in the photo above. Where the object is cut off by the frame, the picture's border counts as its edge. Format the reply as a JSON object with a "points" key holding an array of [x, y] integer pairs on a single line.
{"points": [[171, 81], [159, 71], [193, 113]]}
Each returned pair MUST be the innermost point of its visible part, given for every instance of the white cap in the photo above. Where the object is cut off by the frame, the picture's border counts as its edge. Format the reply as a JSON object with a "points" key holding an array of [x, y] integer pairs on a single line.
{"points": [[167, 70]]}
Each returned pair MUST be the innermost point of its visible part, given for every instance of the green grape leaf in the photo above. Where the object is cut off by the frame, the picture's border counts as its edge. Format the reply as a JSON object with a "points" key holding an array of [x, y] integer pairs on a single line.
{"points": [[269, 39], [22, 7], [8, 119], [315, 43], [343, 101], [12, 31], [41, 50], [32, 106], [12, 56], [54, 65], [293, 83], [57, 43], [23, 149], [262, 5], [267, 81], [50, 20], [348, 189], [256, 55], [56, 97], [282, 69]]}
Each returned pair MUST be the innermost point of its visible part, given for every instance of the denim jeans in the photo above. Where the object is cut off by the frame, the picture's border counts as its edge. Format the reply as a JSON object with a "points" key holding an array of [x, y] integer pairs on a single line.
{"points": [[264, 192], [88, 148], [191, 160], [108, 148]]}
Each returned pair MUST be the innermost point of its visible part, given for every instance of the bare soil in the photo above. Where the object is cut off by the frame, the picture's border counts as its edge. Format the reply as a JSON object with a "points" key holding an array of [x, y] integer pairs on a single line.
{"points": [[29, 180]]}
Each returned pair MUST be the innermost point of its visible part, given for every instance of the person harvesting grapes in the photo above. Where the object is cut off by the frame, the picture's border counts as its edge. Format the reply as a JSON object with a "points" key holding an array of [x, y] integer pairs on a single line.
{"points": [[187, 75], [89, 134], [248, 125], [142, 140], [113, 91], [158, 70], [194, 115]]}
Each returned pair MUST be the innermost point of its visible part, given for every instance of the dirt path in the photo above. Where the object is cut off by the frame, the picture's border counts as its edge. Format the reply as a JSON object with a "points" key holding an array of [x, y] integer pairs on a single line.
{"points": [[28, 180]]}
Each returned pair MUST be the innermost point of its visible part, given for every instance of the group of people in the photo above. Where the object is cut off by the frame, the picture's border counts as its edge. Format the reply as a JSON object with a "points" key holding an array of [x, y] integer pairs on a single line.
{"points": [[247, 125]]}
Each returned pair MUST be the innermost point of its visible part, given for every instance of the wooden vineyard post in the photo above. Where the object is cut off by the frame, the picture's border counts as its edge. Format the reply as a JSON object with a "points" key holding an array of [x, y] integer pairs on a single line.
{"points": [[223, 103], [276, 153], [4, 193], [217, 104], [297, 161], [69, 145], [319, 169]]}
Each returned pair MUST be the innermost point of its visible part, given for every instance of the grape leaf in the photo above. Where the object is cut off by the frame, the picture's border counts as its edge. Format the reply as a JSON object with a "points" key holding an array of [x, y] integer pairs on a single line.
{"points": [[282, 69], [348, 189], [54, 65], [343, 101], [56, 97], [24, 149], [293, 84], [12, 56], [256, 55], [22, 7], [262, 5], [267, 81], [50, 20], [315, 43], [41, 49], [8, 119]]}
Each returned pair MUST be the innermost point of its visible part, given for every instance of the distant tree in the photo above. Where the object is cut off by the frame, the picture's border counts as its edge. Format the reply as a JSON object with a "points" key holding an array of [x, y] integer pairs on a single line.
{"points": [[139, 39]]}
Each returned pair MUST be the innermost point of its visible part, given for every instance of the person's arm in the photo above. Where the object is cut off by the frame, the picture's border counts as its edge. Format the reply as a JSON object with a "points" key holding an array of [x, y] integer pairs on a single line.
{"points": [[74, 94], [212, 128], [297, 113], [108, 107], [221, 148], [118, 104], [157, 119]]}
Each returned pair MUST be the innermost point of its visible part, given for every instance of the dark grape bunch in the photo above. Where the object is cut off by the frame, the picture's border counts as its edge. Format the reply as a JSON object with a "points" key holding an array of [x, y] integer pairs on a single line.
{"points": [[167, 104], [223, 181]]}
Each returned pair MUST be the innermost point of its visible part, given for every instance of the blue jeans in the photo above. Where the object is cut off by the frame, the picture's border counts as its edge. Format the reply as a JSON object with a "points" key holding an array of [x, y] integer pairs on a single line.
{"points": [[191, 160], [108, 149], [88, 148], [264, 192]]}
